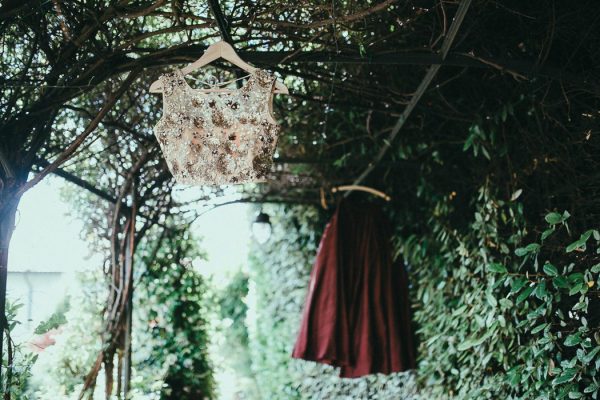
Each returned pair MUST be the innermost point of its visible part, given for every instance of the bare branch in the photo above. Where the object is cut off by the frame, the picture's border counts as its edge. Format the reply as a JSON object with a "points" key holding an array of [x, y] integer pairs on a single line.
{"points": [[65, 155], [143, 11]]}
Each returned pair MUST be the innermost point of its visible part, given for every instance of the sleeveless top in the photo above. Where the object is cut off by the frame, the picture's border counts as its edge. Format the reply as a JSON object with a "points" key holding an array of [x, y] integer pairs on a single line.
{"points": [[218, 137]]}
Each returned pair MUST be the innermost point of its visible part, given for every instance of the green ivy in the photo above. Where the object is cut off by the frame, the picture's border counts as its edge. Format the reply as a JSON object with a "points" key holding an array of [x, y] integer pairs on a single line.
{"points": [[557, 279], [501, 317]]}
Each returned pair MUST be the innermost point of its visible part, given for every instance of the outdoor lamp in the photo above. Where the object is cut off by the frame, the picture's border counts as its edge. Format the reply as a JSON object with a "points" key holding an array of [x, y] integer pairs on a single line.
{"points": [[261, 228]]}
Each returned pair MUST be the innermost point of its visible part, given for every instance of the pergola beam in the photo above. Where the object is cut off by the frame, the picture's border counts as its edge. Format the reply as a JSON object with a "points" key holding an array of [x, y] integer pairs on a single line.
{"points": [[154, 58], [519, 68], [421, 89]]}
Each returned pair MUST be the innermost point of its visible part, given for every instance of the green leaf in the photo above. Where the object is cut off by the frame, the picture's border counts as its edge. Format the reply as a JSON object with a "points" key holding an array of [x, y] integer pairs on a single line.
{"points": [[539, 328], [596, 268], [575, 245], [467, 344], [518, 284], [514, 376], [590, 356], [550, 269], [520, 252], [459, 311], [586, 235], [468, 142], [505, 304], [525, 294], [553, 218], [560, 282], [576, 289], [547, 233], [497, 267], [580, 244], [575, 395], [532, 247], [566, 376], [576, 277], [592, 388], [540, 290], [485, 153], [573, 340], [491, 299]]}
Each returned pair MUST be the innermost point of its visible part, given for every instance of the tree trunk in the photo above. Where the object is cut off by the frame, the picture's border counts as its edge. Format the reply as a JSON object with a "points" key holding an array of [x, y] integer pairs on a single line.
{"points": [[7, 225]]}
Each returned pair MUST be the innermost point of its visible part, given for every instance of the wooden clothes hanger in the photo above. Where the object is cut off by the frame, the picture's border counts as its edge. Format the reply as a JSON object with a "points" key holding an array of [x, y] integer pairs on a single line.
{"points": [[348, 188], [215, 51]]}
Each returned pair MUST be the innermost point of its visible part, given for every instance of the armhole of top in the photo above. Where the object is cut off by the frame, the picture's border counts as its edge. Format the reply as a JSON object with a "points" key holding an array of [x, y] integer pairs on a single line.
{"points": [[270, 103], [164, 99], [164, 103]]}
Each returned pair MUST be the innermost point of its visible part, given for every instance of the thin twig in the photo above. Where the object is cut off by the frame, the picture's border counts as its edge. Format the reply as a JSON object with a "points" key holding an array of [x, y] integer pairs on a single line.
{"points": [[317, 24]]}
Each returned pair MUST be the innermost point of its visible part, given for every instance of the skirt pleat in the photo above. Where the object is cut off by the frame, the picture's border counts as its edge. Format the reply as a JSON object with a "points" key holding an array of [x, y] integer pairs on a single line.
{"points": [[357, 315]]}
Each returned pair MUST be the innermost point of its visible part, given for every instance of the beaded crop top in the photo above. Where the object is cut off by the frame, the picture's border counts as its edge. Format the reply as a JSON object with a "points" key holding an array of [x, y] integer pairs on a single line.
{"points": [[218, 137]]}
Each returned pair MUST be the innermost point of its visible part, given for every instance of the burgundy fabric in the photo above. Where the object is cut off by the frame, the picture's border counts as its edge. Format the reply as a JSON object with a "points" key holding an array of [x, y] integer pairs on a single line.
{"points": [[357, 314]]}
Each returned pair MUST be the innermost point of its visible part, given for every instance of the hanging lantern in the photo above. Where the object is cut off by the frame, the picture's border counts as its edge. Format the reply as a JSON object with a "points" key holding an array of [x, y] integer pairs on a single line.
{"points": [[261, 228]]}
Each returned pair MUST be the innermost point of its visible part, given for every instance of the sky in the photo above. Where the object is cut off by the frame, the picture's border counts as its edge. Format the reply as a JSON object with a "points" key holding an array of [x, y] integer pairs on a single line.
{"points": [[45, 237]]}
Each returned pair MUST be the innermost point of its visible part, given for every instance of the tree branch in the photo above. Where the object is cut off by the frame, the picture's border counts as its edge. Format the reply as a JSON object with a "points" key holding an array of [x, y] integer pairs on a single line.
{"points": [[458, 19], [9, 172], [65, 155]]}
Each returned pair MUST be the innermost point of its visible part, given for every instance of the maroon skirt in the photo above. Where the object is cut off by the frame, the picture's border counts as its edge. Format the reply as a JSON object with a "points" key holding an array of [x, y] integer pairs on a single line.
{"points": [[357, 314]]}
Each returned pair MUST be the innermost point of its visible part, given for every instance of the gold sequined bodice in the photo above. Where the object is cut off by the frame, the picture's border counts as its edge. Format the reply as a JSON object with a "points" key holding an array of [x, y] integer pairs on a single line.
{"points": [[218, 137]]}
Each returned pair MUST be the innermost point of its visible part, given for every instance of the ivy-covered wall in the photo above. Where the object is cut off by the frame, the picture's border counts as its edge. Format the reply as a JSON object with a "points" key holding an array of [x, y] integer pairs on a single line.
{"points": [[504, 312], [501, 311]]}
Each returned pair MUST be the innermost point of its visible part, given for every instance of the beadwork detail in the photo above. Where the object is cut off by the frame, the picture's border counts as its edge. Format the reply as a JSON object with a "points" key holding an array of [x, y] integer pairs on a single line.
{"points": [[218, 137]]}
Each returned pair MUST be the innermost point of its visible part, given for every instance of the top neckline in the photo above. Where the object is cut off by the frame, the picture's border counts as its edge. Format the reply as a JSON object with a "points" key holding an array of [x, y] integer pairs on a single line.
{"points": [[251, 75]]}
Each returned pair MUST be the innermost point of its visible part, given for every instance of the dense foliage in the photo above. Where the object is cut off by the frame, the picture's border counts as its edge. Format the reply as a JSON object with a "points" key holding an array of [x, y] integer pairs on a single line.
{"points": [[172, 336], [559, 322], [501, 317], [233, 310], [231, 337], [61, 368]]}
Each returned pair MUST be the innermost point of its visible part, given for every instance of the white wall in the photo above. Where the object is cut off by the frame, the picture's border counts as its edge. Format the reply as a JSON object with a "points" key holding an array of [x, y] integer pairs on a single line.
{"points": [[40, 293]]}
